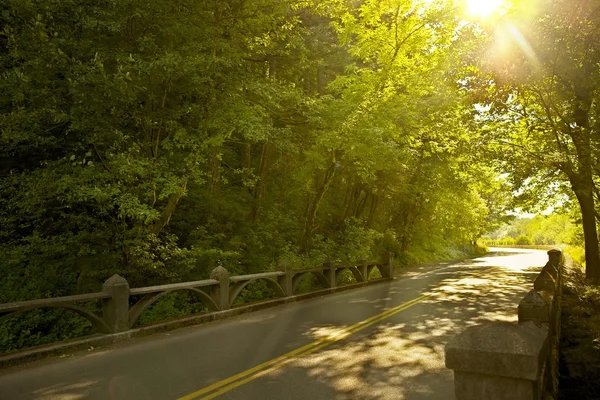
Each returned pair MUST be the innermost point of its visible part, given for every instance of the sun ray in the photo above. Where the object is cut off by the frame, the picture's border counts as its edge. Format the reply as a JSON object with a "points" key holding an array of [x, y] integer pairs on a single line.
{"points": [[523, 43]]}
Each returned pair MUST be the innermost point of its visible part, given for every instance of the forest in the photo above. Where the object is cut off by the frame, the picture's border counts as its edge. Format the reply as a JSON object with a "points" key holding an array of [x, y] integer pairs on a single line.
{"points": [[158, 140]]}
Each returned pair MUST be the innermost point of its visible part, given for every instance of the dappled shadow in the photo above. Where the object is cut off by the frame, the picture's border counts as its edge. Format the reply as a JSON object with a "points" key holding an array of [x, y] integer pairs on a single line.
{"points": [[399, 356], [117, 387], [71, 391], [403, 357], [504, 253], [417, 270]]}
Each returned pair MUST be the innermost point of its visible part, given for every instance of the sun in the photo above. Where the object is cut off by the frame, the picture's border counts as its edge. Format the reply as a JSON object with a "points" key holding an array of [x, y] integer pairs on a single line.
{"points": [[484, 8]]}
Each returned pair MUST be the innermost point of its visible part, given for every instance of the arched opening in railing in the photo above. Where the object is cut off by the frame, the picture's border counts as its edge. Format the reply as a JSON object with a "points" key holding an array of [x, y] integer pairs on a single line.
{"points": [[306, 281], [375, 272], [348, 275], [171, 309], [264, 288]]}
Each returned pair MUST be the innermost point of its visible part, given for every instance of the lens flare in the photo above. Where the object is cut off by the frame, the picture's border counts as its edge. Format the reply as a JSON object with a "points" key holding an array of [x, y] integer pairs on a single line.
{"points": [[484, 8]]}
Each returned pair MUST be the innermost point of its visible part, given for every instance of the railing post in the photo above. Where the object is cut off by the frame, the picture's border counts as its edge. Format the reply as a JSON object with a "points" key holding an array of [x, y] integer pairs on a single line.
{"points": [[390, 265], [287, 281], [549, 279], [220, 294], [115, 310], [500, 361], [556, 262], [535, 307], [555, 257], [330, 272], [364, 271]]}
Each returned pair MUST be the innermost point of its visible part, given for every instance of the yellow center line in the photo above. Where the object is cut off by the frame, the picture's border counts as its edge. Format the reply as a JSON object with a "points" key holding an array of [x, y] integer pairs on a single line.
{"points": [[248, 375]]}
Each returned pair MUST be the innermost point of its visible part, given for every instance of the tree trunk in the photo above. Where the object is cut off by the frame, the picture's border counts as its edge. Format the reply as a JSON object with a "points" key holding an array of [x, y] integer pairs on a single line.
{"points": [[350, 208], [215, 165], [246, 160], [372, 210], [168, 211], [585, 197], [311, 214], [360, 206], [260, 188], [347, 200], [582, 181]]}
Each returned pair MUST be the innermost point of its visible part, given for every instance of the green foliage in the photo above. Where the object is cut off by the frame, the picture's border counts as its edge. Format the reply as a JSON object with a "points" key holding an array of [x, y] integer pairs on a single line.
{"points": [[538, 92], [553, 229], [159, 140], [523, 240], [576, 252], [39, 327], [172, 305]]}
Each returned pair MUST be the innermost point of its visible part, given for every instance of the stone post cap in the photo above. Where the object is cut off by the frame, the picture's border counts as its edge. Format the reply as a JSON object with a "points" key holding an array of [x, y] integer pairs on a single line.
{"points": [[555, 256], [536, 307], [500, 349], [115, 280], [284, 266], [219, 273]]}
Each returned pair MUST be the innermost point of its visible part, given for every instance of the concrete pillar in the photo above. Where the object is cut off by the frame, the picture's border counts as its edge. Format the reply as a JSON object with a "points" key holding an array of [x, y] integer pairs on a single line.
{"points": [[287, 281], [498, 361], [330, 272], [115, 310], [220, 293], [390, 266], [364, 271], [535, 307], [545, 281]]}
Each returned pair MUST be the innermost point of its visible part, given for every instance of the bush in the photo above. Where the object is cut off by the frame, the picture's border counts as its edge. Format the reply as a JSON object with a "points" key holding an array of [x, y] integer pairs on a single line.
{"points": [[577, 253], [523, 240], [507, 241]]}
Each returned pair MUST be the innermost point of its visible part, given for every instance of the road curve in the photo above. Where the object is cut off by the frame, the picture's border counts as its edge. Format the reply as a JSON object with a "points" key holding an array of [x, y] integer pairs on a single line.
{"points": [[380, 342]]}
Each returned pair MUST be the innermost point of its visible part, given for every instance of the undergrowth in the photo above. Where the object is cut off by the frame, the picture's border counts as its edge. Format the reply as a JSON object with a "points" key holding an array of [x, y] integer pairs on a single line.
{"points": [[580, 340]]}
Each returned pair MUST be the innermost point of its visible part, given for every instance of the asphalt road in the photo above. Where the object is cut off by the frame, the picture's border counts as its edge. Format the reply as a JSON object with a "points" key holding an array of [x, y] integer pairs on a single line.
{"points": [[381, 342]]}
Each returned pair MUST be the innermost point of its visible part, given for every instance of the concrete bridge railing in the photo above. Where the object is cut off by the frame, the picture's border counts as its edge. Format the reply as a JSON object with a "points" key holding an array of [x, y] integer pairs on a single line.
{"points": [[505, 361], [522, 246], [120, 312]]}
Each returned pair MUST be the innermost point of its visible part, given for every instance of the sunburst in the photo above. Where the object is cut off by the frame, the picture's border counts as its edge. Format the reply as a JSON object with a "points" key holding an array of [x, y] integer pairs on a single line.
{"points": [[484, 8]]}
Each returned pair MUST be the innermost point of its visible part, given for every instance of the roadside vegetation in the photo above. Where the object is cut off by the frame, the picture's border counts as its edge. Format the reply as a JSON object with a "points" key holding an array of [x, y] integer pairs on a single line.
{"points": [[580, 335], [580, 338], [559, 229], [158, 140]]}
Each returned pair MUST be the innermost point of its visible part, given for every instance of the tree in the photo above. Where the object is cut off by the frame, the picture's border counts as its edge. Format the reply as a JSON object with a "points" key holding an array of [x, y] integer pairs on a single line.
{"points": [[544, 103], [158, 140]]}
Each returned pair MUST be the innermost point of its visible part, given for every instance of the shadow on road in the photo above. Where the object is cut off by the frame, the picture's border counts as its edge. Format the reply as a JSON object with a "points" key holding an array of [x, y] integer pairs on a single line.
{"points": [[504, 253], [403, 358]]}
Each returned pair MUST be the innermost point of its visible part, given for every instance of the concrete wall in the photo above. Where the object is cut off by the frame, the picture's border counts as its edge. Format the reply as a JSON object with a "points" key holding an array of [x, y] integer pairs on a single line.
{"points": [[501, 360]]}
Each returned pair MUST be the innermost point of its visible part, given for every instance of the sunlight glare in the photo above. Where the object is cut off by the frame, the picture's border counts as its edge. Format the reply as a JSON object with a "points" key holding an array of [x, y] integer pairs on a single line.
{"points": [[522, 42], [483, 8]]}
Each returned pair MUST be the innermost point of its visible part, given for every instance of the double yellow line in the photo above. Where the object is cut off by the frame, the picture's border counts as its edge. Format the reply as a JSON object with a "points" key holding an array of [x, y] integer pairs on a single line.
{"points": [[265, 368]]}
